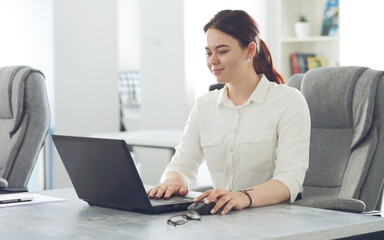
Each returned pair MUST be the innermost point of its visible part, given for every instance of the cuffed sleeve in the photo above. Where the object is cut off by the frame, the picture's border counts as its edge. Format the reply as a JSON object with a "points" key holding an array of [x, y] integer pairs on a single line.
{"points": [[293, 133], [188, 155]]}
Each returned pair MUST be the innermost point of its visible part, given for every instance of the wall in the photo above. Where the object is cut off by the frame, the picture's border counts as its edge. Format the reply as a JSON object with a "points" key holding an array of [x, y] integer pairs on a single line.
{"points": [[162, 49], [129, 34], [86, 68], [361, 37]]}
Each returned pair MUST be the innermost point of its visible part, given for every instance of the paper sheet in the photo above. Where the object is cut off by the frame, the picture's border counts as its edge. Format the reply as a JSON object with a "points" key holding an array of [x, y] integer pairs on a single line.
{"points": [[37, 199]]}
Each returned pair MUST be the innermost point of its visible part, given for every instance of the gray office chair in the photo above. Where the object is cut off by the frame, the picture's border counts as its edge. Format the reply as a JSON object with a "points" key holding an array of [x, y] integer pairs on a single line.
{"points": [[346, 165], [217, 86], [24, 124]]}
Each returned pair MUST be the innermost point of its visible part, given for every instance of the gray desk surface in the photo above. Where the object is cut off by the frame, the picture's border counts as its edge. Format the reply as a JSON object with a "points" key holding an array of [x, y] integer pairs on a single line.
{"points": [[74, 219]]}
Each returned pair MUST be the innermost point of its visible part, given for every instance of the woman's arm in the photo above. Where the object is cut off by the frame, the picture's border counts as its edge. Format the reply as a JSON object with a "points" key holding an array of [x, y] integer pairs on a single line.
{"points": [[268, 193], [185, 163]]}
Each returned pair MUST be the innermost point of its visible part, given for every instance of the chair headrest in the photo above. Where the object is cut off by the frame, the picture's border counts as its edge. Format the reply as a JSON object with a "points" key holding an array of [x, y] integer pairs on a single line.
{"points": [[6, 74], [12, 87], [340, 97]]}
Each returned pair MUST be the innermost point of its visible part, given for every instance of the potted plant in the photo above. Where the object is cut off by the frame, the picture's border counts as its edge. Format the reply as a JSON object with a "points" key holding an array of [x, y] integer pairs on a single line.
{"points": [[302, 27]]}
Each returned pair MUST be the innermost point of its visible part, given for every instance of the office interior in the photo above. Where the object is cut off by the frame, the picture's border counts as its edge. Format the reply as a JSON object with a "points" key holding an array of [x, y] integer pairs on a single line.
{"points": [[81, 46]]}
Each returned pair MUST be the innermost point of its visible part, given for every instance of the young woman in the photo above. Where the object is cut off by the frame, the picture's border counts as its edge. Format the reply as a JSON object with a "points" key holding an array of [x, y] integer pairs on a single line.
{"points": [[253, 134]]}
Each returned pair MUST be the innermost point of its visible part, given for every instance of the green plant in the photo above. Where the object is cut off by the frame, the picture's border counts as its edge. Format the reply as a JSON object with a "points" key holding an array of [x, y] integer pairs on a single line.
{"points": [[303, 18]]}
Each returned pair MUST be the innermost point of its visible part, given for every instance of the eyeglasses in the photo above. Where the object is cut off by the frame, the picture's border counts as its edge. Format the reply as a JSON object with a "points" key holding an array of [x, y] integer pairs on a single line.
{"points": [[183, 218]]}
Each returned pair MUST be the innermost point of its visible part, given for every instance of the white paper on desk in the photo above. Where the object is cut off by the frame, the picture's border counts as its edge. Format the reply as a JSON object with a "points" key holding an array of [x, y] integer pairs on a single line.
{"points": [[37, 199]]}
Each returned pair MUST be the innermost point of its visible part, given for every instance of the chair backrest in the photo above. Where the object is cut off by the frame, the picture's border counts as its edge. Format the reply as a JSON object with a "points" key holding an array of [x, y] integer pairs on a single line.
{"points": [[347, 136], [217, 86], [24, 122]]}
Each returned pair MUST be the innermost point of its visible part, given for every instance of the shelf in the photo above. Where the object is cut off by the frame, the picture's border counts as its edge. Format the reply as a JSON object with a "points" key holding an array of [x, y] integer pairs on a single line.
{"points": [[287, 42], [309, 39]]}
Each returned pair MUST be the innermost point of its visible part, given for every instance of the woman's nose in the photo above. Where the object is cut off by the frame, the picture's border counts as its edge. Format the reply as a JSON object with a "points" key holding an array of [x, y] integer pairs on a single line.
{"points": [[213, 59]]}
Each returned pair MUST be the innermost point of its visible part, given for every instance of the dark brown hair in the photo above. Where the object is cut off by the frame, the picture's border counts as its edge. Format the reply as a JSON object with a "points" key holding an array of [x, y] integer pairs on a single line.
{"points": [[243, 27]]}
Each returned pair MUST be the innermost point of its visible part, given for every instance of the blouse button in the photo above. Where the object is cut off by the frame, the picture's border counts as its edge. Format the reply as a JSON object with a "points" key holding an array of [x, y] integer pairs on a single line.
{"points": [[255, 140], [209, 142]]}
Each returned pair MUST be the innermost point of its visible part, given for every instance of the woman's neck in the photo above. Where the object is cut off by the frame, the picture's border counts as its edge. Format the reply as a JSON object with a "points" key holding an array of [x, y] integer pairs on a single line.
{"points": [[240, 91]]}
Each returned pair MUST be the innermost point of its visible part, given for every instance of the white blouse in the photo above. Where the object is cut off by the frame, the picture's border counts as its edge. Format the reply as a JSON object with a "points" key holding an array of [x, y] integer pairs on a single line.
{"points": [[266, 138]]}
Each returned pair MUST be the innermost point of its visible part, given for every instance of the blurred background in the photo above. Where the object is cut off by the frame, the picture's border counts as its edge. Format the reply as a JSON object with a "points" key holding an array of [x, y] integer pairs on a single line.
{"points": [[86, 48]]}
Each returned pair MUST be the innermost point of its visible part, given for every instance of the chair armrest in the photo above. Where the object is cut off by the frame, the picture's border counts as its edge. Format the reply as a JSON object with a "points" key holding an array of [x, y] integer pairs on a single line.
{"points": [[13, 190], [3, 183], [333, 203]]}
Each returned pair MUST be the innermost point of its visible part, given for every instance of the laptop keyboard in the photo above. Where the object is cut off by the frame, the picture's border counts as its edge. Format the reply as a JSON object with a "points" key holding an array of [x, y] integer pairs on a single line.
{"points": [[172, 200]]}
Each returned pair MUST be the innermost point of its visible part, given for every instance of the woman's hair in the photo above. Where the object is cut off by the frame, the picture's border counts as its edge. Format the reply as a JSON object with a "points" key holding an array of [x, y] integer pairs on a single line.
{"points": [[243, 27]]}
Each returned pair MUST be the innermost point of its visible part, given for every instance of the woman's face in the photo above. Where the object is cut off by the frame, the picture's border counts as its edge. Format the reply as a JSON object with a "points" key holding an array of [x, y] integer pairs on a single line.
{"points": [[226, 59]]}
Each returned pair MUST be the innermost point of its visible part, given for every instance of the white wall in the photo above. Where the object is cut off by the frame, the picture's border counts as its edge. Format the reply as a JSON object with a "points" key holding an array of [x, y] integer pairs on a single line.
{"points": [[361, 34], [86, 68], [129, 34], [27, 39], [162, 48]]}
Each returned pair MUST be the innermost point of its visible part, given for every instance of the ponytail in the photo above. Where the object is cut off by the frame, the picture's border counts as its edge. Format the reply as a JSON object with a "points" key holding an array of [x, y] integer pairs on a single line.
{"points": [[262, 63]]}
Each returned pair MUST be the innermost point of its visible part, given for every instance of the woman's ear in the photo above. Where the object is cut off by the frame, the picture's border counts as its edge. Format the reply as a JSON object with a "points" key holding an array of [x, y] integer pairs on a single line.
{"points": [[251, 50]]}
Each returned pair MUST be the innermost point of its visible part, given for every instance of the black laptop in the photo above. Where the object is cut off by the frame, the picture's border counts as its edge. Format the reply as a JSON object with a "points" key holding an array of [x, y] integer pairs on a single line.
{"points": [[103, 174]]}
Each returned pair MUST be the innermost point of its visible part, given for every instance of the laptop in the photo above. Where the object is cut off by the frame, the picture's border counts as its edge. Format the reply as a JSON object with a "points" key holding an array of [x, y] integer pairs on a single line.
{"points": [[103, 173]]}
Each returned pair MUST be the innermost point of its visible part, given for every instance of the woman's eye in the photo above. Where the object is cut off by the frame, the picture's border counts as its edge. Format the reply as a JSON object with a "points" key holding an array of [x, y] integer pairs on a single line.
{"points": [[208, 54], [222, 52]]}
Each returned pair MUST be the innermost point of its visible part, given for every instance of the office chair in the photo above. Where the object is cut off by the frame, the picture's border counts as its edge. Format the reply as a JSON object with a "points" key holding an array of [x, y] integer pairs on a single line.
{"points": [[129, 86], [346, 163], [217, 86], [24, 124]]}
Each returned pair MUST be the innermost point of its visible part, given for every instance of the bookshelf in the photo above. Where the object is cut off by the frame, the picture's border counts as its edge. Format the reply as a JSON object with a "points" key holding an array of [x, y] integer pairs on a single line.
{"points": [[288, 12]]}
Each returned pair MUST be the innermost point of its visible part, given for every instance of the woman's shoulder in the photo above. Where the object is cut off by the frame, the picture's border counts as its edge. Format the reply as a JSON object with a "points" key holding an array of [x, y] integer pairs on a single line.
{"points": [[283, 90], [209, 96]]}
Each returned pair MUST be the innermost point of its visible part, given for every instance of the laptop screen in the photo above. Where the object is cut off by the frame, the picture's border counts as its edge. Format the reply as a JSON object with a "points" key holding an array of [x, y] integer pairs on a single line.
{"points": [[102, 171]]}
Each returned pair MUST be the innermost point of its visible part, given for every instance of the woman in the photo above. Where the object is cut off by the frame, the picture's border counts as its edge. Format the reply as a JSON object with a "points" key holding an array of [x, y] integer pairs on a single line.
{"points": [[253, 133]]}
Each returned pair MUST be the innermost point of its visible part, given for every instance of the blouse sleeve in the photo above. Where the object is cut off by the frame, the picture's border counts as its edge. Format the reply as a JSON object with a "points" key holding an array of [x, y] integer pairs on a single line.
{"points": [[292, 151], [188, 156]]}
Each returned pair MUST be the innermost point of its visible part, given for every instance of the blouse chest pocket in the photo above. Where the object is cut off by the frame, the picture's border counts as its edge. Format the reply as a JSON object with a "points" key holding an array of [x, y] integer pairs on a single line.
{"points": [[213, 149], [257, 151], [261, 137]]}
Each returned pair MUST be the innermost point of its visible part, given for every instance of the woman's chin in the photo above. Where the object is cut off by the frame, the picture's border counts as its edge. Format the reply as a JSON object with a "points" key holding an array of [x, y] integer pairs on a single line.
{"points": [[220, 80]]}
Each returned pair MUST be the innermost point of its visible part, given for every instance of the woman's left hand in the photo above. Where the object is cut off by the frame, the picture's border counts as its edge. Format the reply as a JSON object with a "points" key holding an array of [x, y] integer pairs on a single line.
{"points": [[224, 200]]}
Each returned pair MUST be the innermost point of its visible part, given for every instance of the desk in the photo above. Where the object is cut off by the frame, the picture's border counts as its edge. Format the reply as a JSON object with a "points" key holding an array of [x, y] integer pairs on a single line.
{"points": [[157, 138], [74, 219], [151, 164]]}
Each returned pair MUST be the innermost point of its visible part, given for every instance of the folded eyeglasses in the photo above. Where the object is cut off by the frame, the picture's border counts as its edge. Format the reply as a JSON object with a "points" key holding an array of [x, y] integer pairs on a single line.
{"points": [[183, 218]]}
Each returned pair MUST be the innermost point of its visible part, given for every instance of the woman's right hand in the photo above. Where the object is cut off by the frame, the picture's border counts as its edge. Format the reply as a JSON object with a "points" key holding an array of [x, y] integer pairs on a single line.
{"points": [[173, 184]]}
